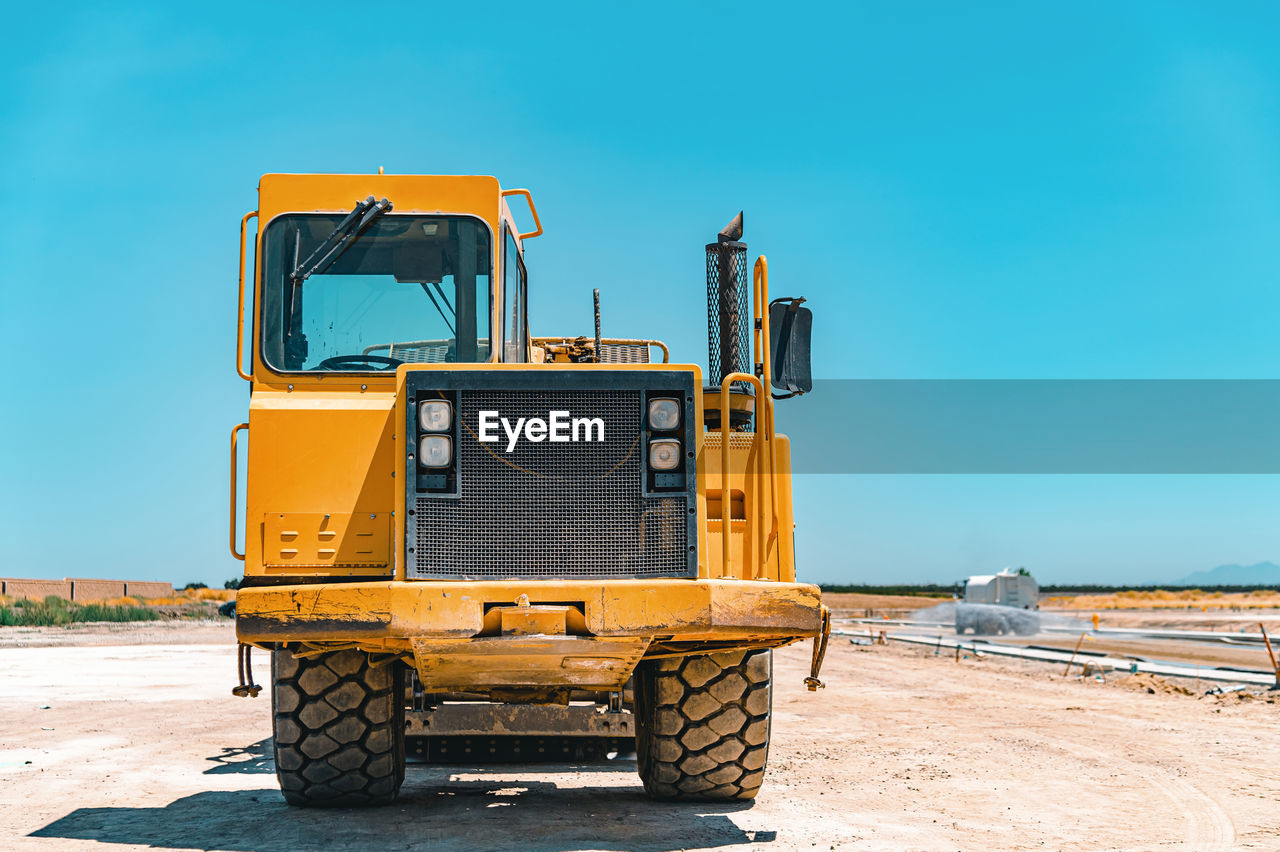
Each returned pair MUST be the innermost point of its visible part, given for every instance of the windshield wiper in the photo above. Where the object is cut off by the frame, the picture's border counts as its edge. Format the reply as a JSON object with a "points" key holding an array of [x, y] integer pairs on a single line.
{"points": [[355, 223], [349, 229]]}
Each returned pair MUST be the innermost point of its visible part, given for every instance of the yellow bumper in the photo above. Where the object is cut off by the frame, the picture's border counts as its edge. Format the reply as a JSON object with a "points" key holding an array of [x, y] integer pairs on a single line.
{"points": [[397, 612]]}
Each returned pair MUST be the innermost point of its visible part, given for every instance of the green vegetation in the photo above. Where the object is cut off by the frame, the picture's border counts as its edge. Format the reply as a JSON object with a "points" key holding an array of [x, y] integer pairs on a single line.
{"points": [[54, 610], [1095, 589], [931, 590], [190, 586]]}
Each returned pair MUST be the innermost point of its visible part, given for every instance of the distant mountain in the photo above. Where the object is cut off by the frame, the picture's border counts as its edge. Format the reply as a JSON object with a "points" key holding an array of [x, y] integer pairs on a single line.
{"points": [[1262, 574]]}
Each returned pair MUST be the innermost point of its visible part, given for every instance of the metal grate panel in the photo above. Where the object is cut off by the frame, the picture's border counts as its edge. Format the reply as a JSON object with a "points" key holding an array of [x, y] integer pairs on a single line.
{"points": [[624, 353], [551, 509]]}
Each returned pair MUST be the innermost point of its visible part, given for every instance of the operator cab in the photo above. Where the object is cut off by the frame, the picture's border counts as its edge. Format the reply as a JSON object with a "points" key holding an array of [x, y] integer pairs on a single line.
{"points": [[366, 289]]}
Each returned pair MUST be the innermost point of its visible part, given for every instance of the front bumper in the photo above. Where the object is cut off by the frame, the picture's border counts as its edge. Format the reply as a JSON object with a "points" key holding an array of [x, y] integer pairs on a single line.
{"points": [[397, 612]]}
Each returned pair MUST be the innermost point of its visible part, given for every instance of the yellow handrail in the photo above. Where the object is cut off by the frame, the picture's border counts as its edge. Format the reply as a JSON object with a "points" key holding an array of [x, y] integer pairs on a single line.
{"points": [[725, 498], [760, 284], [234, 435], [534, 210], [244, 226], [762, 441]]}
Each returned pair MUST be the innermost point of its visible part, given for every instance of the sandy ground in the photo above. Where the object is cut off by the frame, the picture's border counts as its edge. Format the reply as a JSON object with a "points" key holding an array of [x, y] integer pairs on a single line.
{"points": [[854, 603], [143, 746], [136, 633]]}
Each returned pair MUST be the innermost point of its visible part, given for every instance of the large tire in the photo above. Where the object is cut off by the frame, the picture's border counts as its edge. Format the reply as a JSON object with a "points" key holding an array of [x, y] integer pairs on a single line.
{"points": [[338, 722], [702, 726]]}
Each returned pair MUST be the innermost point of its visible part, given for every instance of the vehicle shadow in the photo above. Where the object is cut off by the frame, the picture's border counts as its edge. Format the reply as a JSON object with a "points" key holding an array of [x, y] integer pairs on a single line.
{"points": [[437, 809]]}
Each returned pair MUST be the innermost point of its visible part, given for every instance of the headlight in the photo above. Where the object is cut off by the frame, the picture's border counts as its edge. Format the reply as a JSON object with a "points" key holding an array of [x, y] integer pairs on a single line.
{"points": [[664, 454], [664, 414], [435, 451], [435, 415]]}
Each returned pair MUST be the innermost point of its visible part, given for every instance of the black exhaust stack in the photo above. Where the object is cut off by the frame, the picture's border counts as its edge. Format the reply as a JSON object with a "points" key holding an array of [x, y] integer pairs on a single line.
{"points": [[728, 316]]}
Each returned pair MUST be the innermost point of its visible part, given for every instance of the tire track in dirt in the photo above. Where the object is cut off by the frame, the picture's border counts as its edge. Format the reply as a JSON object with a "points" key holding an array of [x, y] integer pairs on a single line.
{"points": [[1209, 827]]}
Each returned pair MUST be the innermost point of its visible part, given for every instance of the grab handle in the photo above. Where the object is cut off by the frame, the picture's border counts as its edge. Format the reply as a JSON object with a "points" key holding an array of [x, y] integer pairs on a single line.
{"points": [[528, 196], [235, 434], [244, 227]]}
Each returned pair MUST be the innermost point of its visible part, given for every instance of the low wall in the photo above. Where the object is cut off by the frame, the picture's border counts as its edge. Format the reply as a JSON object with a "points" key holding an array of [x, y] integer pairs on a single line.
{"points": [[147, 589], [88, 589], [83, 589], [37, 590]]}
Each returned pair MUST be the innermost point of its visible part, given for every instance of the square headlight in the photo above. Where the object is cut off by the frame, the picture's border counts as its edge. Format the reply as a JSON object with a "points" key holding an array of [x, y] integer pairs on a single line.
{"points": [[435, 415], [664, 414], [664, 454], [435, 451]]}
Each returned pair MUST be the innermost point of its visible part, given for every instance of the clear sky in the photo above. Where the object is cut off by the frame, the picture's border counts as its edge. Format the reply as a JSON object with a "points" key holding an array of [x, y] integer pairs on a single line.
{"points": [[999, 190]]}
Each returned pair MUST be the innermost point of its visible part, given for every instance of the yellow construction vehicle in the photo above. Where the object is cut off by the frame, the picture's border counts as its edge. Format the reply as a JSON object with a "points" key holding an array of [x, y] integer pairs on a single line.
{"points": [[453, 528]]}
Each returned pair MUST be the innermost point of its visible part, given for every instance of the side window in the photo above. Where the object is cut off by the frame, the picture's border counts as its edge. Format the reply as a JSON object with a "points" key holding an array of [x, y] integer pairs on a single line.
{"points": [[514, 342]]}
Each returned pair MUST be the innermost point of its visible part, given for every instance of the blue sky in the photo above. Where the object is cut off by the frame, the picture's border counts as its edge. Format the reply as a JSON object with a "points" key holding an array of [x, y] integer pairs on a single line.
{"points": [[962, 191]]}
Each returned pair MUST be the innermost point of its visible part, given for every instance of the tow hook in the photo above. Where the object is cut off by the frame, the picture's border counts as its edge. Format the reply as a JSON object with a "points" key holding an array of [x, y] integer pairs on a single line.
{"points": [[247, 688], [819, 651]]}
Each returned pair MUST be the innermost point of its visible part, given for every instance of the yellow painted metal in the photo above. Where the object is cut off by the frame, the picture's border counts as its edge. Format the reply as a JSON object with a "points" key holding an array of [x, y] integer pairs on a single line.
{"points": [[527, 662], [244, 225], [314, 454], [235, 433], [295, 540], [324, 458], [750, 493], [760, 298], [760, 442], [529, 620], [537, 223], [390, 613], [278, 194]]}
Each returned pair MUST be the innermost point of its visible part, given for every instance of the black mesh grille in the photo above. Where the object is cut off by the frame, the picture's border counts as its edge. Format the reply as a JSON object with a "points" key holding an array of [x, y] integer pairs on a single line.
{"points": [[727, 313], [551, 509]]}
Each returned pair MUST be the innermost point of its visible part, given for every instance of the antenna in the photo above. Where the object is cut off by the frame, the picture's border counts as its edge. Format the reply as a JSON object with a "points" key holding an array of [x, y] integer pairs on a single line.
{"points": [[595, 297]]}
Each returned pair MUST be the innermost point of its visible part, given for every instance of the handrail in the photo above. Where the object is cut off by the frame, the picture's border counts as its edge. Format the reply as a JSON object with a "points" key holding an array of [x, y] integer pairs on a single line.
{"points": [[534, 210], [248, 377], [760, 292], [725, 498], [611, 341], [234, 435]]}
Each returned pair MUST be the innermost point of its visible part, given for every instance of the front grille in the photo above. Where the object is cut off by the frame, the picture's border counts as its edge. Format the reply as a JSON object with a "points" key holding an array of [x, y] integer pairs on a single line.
{"points": [[548, 510]]}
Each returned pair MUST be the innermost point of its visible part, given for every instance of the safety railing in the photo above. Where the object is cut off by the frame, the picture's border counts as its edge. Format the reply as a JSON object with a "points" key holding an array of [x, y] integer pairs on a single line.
{"points": [[235, 434], [537, 223], [606, 341], [760, 305], [244, 230], [762, 443], [726, 493]]}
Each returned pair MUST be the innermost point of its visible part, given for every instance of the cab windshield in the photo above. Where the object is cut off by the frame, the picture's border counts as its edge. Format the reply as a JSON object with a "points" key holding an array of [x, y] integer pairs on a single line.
{"points": [[408, 289]]}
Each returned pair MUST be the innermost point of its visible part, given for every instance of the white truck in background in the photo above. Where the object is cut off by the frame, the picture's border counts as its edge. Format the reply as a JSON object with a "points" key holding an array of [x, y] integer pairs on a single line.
{"points": [[995, 604]]}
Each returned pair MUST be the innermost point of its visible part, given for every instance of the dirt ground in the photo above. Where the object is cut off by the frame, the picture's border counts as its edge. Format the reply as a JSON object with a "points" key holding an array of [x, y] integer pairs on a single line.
{"points": [[143, 746], [854, 603]]}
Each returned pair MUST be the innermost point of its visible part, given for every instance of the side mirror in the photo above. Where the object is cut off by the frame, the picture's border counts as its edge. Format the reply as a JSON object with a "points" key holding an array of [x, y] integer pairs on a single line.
{"points": [[790, 327]]}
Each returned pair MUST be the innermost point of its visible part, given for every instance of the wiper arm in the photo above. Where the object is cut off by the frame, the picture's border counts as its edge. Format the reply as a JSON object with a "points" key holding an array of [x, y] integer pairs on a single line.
{"points": [[349, 229], [325, 255]]}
